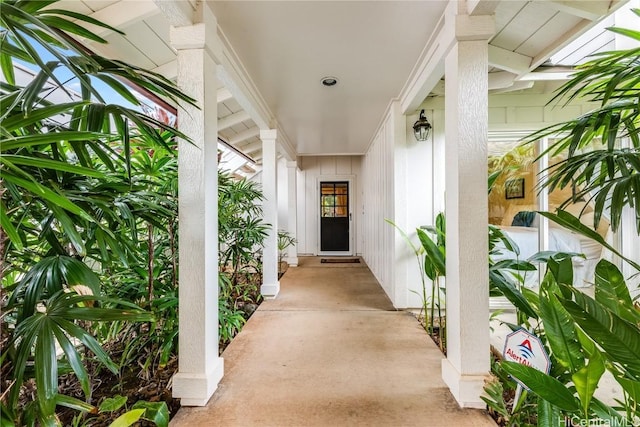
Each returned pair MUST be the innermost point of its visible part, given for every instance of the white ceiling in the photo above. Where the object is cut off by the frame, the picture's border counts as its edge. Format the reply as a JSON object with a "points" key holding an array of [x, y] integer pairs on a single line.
{"points": [[286, 47]]}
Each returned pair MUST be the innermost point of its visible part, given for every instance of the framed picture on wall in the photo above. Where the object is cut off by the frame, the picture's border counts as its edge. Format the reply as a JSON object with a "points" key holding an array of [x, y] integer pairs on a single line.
{"points": [[514, 188]]}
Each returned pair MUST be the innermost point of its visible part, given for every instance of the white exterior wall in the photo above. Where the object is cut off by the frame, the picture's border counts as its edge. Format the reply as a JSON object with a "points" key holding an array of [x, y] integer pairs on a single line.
{"points": [[378, 205], [413, 200], [404, 194], [404, 181], [315, 168]]}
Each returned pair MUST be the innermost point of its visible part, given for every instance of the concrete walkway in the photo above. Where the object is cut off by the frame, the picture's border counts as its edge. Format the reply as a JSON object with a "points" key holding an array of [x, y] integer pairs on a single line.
{"points": [[331, 351]]}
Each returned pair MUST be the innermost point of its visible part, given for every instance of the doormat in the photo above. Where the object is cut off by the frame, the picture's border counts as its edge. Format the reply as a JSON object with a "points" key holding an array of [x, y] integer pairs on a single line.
{"points": [[340, 260]]}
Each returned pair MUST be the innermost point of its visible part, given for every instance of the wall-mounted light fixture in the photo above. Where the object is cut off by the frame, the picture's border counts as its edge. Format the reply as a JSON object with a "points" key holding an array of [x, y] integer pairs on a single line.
{"points": [[422, 127]]}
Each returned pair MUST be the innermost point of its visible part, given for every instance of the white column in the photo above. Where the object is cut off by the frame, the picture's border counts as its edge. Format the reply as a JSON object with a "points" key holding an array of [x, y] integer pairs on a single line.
{"points": [[292, 211], [270, 284], [466, 127], [200, 368]]}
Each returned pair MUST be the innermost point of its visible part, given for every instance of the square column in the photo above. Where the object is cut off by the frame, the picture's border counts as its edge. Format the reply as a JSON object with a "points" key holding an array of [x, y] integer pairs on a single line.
{"points": [[270, 284], [466, 129], [292, 211], [200, 369]]}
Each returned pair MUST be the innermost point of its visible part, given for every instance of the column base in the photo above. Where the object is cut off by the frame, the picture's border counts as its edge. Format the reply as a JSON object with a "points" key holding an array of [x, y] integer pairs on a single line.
{"points": [[292, 261], [194, 389], [270, 290], [466, 389]]}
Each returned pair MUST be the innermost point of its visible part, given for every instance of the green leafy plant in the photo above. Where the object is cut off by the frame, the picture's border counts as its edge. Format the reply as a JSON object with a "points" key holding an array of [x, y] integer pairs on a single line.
{"points": [[36, 336], [78, 192], [241, 230], [435, 270], [596, 168], [500, 398], [430, 257], [154, 412], [585, 336], [285, 240]]}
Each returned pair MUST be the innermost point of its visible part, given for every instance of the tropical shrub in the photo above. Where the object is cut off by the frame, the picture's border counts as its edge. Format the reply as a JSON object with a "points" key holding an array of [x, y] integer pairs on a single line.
{"points": [[80, 211], [285, 240], [430, 257], [241, 234], [597, 169], [586, 336]]}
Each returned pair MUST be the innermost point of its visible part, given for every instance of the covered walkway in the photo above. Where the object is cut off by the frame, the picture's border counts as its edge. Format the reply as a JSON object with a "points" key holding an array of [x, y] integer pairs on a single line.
{"points": [[331, 351]]}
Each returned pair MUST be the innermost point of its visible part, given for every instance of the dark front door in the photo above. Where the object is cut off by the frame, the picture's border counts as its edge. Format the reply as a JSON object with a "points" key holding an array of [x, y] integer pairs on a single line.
{"points": [[334, 216]]}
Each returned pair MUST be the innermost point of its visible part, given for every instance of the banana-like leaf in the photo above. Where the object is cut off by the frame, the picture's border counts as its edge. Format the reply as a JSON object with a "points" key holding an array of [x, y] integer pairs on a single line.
{"points": [[561, 269], [509, 290], [434, 255], [560, 330], [569, 221], [545, 386], [612, 292], [549, 415], [586, 380], [587, 343], [608, 414], [545, 256], [632, 387], [414, 248], [619, 339], [512, 264]]}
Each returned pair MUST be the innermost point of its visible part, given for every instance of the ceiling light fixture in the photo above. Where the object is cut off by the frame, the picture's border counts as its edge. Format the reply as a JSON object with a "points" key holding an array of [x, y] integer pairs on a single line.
{"points": [[422, 127], [329, 81]]}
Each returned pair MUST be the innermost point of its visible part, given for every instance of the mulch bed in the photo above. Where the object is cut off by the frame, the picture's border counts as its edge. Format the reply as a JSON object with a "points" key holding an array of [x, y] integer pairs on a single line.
{"points": [[137, 382], [134, 382]]}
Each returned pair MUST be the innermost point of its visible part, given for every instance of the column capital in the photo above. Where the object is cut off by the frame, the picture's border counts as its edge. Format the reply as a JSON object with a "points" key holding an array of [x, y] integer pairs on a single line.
{"points": [[268, 134], [292, 164], [479, 27], [199, 34]]}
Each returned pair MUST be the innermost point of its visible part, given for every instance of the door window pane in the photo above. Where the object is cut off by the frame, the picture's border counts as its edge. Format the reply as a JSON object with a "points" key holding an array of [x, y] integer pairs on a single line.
{"points": [[328, 212], [334, 199]]}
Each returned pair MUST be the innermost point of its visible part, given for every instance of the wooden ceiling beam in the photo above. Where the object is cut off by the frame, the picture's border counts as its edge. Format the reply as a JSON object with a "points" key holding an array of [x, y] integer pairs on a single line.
{"points": [[244, 135], [507, 60], [232, 120], [591, 10]]}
